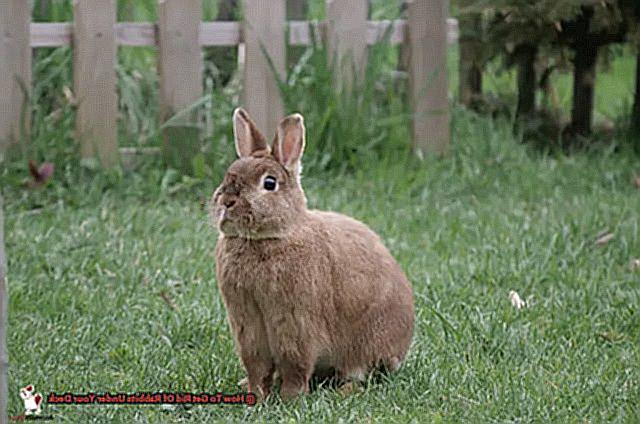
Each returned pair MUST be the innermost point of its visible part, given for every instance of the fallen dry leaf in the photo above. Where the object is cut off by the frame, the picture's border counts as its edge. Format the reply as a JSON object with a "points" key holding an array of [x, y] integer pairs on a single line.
{"points": [[604, 238], [611, 336], [39, 174], [170, 303], [635, 264], [516, 301]]}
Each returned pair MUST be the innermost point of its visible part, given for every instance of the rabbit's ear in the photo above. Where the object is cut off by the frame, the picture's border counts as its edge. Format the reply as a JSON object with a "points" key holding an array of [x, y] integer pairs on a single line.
{"points": [[249, 140], [289, 142]]}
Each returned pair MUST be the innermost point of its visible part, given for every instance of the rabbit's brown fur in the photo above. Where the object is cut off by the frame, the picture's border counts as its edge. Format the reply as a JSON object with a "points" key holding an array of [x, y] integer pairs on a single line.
{"points": [[305, 291]]}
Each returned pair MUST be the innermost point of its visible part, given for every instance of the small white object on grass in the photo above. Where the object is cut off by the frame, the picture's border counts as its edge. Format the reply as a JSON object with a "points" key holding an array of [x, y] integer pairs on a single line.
{"points": [[516, 301], [604, 238]]}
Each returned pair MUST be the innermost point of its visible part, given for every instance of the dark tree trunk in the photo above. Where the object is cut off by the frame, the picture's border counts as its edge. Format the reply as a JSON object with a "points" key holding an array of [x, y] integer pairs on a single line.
{"points": [[226, 10], [584, 79], [224, 58], [43, 9], [635, 113], [527, 82], [296, 11], [470, 70]]}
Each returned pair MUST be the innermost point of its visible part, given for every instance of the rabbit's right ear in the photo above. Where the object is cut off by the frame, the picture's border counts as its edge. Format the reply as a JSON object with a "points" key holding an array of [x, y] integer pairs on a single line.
{"points": [[248, 139], [288, 145]]}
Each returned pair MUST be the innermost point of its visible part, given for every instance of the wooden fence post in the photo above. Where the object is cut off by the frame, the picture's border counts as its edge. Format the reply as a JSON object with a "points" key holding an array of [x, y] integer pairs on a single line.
{"points": [[180, 68], [15, 72], [427, 39], [264, 29], [4, 305], [94, 76], [347, 38]]}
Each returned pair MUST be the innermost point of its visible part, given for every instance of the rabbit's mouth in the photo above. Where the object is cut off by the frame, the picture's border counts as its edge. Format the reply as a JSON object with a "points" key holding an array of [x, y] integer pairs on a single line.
{"points": [[230, 223], [222, 215], [244, 226], [225, 221]]}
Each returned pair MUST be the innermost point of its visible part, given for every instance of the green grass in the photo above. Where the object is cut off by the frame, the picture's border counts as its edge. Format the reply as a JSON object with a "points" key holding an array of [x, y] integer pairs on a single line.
{"points": [[91, 255]]}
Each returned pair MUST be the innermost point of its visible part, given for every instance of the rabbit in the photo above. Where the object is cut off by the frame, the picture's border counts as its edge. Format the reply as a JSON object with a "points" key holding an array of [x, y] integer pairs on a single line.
{"points": [[306, 292]]}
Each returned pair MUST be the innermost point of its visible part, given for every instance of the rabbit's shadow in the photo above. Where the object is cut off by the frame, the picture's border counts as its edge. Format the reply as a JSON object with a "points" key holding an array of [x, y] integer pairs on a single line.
{"points": [[330, 380]]}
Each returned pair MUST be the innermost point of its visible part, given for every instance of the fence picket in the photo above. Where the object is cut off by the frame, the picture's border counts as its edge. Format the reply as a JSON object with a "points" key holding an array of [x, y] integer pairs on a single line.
{"points": [[180, 68], [15, 72], [94, 75], [347, 37], [427, 39], [264, 34]]}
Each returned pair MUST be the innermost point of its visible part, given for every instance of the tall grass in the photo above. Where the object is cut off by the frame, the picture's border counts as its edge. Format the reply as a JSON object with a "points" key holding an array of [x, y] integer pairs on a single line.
{"points": [[52, 105], [350, 125]]}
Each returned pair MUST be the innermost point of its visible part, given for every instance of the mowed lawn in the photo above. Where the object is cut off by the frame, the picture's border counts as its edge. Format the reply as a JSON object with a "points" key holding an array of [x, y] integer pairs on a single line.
{"points": [[112, 289]]}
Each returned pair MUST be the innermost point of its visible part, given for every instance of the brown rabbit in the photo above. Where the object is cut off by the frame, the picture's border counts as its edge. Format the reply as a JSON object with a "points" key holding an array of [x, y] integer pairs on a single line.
{"points": [[306, 291]]}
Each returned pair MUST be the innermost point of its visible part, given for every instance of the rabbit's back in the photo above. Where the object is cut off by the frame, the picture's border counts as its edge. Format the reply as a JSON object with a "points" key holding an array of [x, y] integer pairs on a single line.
{"points": [[374, 300]]}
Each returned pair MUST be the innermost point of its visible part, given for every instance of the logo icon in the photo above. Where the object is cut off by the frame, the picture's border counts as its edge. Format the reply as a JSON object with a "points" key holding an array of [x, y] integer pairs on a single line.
{"points": [[32, 401]]}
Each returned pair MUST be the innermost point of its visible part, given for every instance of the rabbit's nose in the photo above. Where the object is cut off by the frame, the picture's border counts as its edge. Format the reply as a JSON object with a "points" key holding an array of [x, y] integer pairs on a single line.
{"points": [[229, 202]]}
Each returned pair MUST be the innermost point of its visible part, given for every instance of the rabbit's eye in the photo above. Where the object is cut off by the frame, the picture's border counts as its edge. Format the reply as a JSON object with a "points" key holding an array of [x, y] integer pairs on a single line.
{"points": [[269, 183]]}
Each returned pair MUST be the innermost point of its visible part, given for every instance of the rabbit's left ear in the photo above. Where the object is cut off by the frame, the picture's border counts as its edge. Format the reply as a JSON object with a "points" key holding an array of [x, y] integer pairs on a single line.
{"points": [[249, 140], [288, 145]]}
